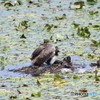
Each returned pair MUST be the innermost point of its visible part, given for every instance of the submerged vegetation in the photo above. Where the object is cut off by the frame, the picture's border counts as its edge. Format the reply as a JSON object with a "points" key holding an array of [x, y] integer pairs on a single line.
{"points": [[83, 32], [72, 25]]}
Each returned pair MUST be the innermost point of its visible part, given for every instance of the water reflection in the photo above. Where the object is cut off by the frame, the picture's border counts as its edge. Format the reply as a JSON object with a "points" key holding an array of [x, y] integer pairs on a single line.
{"points": [[10, 73]]}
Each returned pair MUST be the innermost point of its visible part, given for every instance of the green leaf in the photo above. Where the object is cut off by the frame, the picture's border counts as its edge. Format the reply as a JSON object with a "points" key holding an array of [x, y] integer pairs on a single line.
{"points": [[91, 2], [2, 59], [83, 32], [38, 83], [76, 25], [60, 17], [24, 23], [23, 41], [38, 94], [46, 40], [95, 43], [90, 56], [75, 77], [58, 77], [89, 76], [13, 97], [4, 49], [8, 4], [19, 2], [3, 85], [93, 12]]}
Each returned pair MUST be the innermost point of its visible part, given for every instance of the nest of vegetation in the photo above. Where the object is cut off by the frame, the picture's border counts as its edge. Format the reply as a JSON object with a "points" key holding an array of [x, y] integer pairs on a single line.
{"points": [[38, 70]]}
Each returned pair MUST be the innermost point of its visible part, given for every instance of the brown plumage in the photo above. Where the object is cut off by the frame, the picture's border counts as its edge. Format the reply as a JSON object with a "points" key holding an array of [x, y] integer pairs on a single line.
{"points": [[43, 53]]}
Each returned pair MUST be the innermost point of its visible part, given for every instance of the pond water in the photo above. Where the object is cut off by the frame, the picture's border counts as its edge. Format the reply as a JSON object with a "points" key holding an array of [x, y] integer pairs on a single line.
{"points": [[72, 25], [6, 71], [16, 51]]}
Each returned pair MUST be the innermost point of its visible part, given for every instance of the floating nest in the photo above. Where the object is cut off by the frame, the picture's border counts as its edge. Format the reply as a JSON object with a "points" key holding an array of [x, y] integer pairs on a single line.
{"points": [[38, 70], [54, 68]]}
